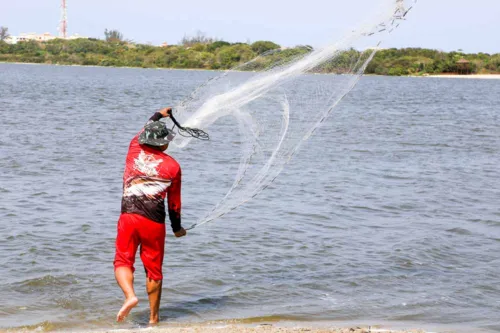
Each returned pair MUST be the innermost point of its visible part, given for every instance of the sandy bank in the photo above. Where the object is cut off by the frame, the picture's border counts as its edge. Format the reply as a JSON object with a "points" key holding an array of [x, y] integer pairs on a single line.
{"points": [[266, 328], [475, 76]]}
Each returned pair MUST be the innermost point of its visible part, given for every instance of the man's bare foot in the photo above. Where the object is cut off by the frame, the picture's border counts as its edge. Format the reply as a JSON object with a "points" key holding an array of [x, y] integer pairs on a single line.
{"points": [[128, 305], [154, 320]]}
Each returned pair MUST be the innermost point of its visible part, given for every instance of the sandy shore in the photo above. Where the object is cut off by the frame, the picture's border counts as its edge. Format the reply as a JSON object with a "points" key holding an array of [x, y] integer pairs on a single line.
{"points": [[281, 327], [260, 329], [239, 327], [446, 76], [475, 76]]}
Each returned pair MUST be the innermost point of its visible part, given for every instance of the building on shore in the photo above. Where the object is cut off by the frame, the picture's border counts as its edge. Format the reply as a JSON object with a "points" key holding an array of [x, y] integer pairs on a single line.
{"points": [[24, 37], [464, 67]]}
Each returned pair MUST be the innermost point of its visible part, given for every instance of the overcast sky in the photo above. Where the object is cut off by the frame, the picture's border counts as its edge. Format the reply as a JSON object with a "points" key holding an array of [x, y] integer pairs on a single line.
{"points": [[441, 24]]}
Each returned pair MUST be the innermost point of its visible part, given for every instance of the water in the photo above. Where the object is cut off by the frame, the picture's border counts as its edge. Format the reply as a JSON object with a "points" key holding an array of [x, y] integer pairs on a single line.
{"points": [[388, 214]]}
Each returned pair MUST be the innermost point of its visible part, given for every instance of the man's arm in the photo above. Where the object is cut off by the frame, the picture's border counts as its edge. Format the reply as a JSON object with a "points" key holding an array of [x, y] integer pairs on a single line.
{"points": [[163, 113], [174, 205]]}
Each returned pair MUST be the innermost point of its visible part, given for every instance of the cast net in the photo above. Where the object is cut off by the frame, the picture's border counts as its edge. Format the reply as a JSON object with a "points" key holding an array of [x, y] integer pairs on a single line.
{"points": [[280, 98]]}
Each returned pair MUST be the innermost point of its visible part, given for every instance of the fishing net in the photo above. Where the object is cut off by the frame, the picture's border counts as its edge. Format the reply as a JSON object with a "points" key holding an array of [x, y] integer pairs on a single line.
{"points": [[280, 98]]}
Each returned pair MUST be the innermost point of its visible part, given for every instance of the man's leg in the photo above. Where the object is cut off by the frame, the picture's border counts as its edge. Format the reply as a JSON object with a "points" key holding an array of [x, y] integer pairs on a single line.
{"points": [[154, 293], [152, 250], [127, 241], [125, 279]]}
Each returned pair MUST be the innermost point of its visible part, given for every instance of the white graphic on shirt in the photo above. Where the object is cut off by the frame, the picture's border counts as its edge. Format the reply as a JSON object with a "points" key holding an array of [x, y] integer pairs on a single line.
{"points": [[147, 164], [143, 187]]}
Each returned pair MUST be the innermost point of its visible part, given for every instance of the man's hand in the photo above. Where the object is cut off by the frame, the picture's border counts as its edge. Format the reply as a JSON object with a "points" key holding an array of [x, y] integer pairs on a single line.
{"points": [[180, 233], [166, 112]]}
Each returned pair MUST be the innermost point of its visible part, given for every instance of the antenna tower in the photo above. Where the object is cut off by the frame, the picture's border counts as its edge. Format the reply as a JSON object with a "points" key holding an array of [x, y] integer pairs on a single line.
{"points": [[64, 21]]}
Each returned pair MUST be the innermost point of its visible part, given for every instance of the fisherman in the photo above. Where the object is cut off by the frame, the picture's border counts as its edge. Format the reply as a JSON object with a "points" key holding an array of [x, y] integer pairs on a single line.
{"points": [[150, 176]]}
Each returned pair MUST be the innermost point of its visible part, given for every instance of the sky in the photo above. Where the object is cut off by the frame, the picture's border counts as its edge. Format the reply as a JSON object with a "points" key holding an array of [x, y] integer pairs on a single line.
{"points": [[472, 26]]}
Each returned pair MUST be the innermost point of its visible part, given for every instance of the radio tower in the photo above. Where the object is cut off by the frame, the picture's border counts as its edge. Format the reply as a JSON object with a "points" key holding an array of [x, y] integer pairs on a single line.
{"points": [[64, 21]]}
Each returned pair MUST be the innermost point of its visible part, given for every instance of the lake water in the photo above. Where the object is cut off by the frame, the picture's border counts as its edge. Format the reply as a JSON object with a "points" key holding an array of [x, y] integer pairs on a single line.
{"points": [[390, 213]]}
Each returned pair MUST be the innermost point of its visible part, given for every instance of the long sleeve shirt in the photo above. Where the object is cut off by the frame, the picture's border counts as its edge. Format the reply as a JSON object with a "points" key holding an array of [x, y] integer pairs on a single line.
{"points": [[150, 176]]}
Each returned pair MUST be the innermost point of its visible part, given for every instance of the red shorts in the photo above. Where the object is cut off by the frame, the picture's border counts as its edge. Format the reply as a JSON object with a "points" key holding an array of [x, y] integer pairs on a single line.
{"points": [[135, 230]]}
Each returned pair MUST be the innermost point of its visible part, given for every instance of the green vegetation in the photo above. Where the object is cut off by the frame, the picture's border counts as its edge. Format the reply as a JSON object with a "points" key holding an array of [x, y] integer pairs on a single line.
{"points": [[264, 46], [200, 52], [113, 36], [199, 38], [416, 61], [116, 52], [4, 33]]}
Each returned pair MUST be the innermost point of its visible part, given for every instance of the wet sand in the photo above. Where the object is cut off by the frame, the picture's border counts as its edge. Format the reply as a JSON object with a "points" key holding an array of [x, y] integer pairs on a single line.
{"points": [[271, 329], [262, 328]]}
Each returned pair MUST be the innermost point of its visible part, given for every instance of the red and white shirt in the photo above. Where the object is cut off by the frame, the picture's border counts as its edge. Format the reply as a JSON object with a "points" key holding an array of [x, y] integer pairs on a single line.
{"points": [[150, 176]]}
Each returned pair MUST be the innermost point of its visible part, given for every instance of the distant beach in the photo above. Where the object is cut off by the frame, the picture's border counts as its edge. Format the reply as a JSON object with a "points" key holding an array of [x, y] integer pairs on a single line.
{"points": [[444, 76], [472, 76]]}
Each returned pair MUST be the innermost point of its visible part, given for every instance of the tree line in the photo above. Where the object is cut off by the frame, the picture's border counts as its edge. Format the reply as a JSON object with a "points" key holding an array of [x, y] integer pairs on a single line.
{"points": [[201, 52], [418, 61]]}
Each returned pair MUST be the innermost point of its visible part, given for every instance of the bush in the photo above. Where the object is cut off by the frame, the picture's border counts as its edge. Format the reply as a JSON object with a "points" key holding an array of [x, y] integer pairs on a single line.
{"points": [[396, 71], [216, 45], [4, 47], [264, 46], [230, 56]]}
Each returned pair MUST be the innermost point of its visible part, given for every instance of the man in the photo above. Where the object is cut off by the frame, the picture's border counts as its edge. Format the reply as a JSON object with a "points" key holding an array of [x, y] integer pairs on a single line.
{"points": [[150, 175]]}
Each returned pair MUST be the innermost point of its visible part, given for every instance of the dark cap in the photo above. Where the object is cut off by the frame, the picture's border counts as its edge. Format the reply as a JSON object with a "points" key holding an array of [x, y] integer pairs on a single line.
{"points": [[156, 134]]}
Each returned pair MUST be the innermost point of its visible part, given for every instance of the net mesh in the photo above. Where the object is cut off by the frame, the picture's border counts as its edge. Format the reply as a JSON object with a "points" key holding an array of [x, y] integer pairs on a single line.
{"points": [[275, 115]]}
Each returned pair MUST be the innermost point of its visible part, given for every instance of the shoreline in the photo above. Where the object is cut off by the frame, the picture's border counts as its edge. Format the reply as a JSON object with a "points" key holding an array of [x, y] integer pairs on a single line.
{"points": [[263, 328], [128, 67], [468, 76], [280, 327], [441, 76], [255, 325]]}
